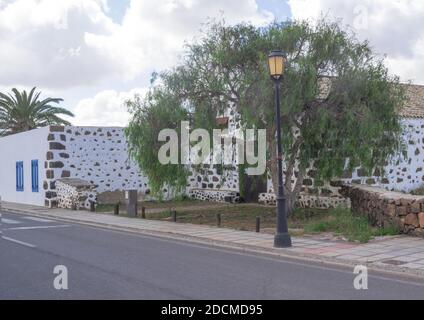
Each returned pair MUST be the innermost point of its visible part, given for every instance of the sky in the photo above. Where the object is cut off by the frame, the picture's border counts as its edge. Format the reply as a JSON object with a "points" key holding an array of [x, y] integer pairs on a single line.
{"points": [[95, 54]]}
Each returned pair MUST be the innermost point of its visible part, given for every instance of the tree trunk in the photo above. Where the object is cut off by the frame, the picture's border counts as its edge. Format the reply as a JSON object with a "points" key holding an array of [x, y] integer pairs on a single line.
{"points": [[291, 192], [294, 194]]}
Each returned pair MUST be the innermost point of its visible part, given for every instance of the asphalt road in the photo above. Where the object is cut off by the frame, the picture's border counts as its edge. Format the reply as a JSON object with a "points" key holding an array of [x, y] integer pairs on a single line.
{"points": [[104, 264]]}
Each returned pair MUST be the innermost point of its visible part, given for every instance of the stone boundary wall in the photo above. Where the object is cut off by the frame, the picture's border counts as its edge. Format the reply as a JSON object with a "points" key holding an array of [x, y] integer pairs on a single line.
{"points": [[308, 201], [385, 208], [222, 196], [75, 194]]}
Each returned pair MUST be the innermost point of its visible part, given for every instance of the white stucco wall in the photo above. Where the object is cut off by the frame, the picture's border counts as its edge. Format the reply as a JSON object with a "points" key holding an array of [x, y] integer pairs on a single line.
{"points": [[26, 146]]}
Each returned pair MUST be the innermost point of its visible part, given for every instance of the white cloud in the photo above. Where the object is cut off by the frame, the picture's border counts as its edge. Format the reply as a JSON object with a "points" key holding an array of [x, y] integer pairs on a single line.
{"points": [[74, 43], [152, 33], [152, 36], [107, 108], [65, 46], [42, 43], [393, 27]]}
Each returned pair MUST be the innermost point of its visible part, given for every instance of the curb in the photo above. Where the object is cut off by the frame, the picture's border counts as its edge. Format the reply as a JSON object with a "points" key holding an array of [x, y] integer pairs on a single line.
{"points": [[257, 251]]}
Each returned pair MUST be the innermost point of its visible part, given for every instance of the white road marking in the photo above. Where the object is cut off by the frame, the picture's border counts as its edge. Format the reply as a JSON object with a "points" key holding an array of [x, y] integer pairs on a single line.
{"points": [[9, 221], [37, 219], [18, 242], [37, 227]]}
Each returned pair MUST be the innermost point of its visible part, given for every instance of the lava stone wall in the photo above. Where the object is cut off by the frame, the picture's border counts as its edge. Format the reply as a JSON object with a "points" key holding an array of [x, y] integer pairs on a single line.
{"points": [[74, 196], [100, 156], [386, 208], [97, 155]]}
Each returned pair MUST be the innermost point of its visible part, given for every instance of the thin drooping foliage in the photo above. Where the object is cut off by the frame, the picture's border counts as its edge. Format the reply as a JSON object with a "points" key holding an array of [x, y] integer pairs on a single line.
{"points": [[23, 111], [339, 101]]}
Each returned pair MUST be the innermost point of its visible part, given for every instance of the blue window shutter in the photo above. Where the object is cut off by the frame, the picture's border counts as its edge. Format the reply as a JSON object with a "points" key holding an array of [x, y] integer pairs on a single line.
{"points": [[19, 176], [34, 175], [22, 176]]}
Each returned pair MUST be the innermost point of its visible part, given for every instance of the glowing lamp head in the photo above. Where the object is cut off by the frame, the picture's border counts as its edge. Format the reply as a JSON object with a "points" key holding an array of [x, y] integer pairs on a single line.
{"points": [[276, 64]]}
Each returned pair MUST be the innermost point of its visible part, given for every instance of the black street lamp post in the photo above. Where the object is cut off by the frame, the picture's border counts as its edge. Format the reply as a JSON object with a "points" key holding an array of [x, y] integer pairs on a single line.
{"points": [[276, 61]]}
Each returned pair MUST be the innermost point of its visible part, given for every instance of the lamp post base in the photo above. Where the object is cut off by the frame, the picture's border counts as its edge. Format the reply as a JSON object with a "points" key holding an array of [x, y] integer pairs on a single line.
{"points": [[282, 240]]}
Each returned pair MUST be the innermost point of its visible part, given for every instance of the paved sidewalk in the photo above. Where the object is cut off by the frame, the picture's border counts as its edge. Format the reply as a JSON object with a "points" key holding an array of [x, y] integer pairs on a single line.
{"points": [[399, 254]]}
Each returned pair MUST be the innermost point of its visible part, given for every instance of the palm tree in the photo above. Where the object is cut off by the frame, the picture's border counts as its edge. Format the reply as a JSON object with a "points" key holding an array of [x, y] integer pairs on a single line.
{"points": [[21, 111]]}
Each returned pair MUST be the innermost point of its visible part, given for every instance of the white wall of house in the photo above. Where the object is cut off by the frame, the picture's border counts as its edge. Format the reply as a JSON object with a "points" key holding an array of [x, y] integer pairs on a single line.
{"points": [[98, 155], [403, 174], [407, 174], [26, 146]]}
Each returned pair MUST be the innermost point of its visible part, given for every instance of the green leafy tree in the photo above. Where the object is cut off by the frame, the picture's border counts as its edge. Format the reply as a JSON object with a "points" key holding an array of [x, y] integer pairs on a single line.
{"points": [[22, 111], [158, 111], [338, 100]]}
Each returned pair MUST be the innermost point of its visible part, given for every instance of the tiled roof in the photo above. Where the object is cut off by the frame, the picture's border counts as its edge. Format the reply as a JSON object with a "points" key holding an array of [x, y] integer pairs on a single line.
{"points": [[414, 107]]}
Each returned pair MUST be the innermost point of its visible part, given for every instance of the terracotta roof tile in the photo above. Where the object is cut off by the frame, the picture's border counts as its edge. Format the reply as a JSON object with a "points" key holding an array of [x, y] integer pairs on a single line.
{"points": [[414, 107]]}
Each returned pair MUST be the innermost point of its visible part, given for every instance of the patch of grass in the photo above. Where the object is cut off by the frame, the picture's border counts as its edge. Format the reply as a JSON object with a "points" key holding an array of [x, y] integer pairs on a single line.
{"points": [[105, 208], [234, 216], [391, 230], [317, 227], [242, 217], [343, 222], [418, 192]]}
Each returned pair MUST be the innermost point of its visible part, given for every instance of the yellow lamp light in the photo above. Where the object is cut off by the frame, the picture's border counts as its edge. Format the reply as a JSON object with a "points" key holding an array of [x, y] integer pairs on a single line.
{"points": [[276, 63]]}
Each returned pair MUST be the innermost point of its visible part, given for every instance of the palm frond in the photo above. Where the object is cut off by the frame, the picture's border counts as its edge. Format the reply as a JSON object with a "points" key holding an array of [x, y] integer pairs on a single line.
{"points": [[22, 111]]}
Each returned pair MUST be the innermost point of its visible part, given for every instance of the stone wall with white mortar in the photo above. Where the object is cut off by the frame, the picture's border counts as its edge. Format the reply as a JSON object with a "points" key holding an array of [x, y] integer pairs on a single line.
{"points": [[100, 156], [402, 174], [211, 183], [73, 196], [97, 155]]}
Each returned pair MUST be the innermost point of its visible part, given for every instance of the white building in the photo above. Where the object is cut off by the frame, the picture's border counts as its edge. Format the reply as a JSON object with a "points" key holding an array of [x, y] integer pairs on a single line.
{"points": [[403, 174], [32, 162]]}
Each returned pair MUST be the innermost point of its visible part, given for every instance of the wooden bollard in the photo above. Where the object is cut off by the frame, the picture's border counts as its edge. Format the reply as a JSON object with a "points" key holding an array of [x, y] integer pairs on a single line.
{"points": [[218, 220], [258, 224], [174, 216], [92, 206], [116, 209], [143, 212]]}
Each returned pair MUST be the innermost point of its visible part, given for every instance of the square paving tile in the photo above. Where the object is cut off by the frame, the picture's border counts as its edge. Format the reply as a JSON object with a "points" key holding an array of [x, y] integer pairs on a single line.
{"points": [[363, 253], [382, 257]]}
